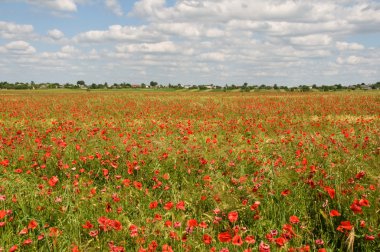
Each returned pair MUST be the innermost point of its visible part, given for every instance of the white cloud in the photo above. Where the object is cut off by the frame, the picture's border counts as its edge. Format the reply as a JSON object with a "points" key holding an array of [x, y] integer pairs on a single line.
{"points": [[57, 5], [213, 56], [19, 47], [10, 30], [118, 33], [344, 46], [312, 40], [56, 34], [217, 41], [162, 47], [65, 52], [114, 6]]}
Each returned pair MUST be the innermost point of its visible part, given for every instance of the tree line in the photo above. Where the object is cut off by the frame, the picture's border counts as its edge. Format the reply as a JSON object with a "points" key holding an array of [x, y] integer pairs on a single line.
{"points": [[154, 84]]}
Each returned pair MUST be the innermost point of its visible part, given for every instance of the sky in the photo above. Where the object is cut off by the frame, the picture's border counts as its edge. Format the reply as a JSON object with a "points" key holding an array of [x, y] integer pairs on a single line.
{"points": [[284, 42]]}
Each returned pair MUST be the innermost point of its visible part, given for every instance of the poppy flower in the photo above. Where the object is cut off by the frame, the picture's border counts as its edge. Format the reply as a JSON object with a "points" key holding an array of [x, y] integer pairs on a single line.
{"points": [[236, 240], [280, 241], [153, 204], [224, 237], [169, 205], [23, 231], [13, 248], [330, 191], [344, 225], [207, 239], [53, 181], [192, 223], [3, 213], [250, 239], [334, 213], [87, 225], [356, 208], [294, 219], [180, 205], [233, 216], [285, 192], [263, 247]]}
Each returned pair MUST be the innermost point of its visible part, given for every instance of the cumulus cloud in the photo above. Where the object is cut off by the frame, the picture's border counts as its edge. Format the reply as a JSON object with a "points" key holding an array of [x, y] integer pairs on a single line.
{"points": [[114, 6], [214, 40], [118, 33], [10, 30], [56, 34], [66, 52], [57, 5], [344, 46], [18, 47], [161, 47], [312, 40]]}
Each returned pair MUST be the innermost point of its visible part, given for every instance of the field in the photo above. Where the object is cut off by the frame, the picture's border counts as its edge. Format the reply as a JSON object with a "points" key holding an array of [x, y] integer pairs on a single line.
{"points": [[189, 171]]}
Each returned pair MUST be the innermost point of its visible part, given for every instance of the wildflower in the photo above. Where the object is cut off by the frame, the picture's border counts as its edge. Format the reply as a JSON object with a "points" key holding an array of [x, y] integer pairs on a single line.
{"points": [[250, 239], [263, 247], [53, 181], [294, 219], [344, 225], [224, 237], [236, 240], [168, 206], [334, 213], [207, 239], [180, 205], [153, 204], [233, 216], [192, 223], [330, 191]]}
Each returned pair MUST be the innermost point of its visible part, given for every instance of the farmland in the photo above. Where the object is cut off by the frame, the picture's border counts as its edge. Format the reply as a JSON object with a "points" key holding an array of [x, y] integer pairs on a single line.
{"points": [[189, 171]]}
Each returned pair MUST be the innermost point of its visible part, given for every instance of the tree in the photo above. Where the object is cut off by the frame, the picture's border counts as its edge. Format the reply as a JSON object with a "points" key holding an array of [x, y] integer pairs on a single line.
{"points": [[153, 83], [81, 83]]}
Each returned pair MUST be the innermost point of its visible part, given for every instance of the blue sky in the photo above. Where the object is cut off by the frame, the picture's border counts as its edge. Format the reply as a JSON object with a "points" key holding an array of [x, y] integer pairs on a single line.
{"points": [[190, 41]]}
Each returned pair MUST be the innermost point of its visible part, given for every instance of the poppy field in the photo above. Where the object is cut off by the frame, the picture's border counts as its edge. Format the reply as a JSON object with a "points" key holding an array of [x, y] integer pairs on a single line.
{"points": [[189, 171]]}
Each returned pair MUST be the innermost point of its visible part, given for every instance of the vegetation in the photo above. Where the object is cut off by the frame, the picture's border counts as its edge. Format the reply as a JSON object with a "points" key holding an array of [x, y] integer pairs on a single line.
{"points": [[153, 84], [185, 171]]}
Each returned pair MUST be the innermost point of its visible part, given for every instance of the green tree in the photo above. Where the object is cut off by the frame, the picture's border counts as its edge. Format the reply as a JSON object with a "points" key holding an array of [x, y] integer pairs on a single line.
{"points": [[81, 83], [153, 83]]}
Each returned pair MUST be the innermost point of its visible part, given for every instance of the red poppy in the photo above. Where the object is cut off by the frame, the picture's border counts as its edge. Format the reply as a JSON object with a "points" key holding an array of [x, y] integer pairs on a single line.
{"points": [[330, 191], [3, 213], [87, 225], [192, 223], [224, 237], [263, 247], [53, 181], [233, 216], [334, 213], [32, 224], [13, 248], [180, 205], [280, 241], [250, 239], [294, 219], [236, 240], [27, 242], [167, 248], [23, 231], [356, 208], [207, 239], [344, 225], [153, 204], [285, 192], [93, 233], [168, 205]]}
